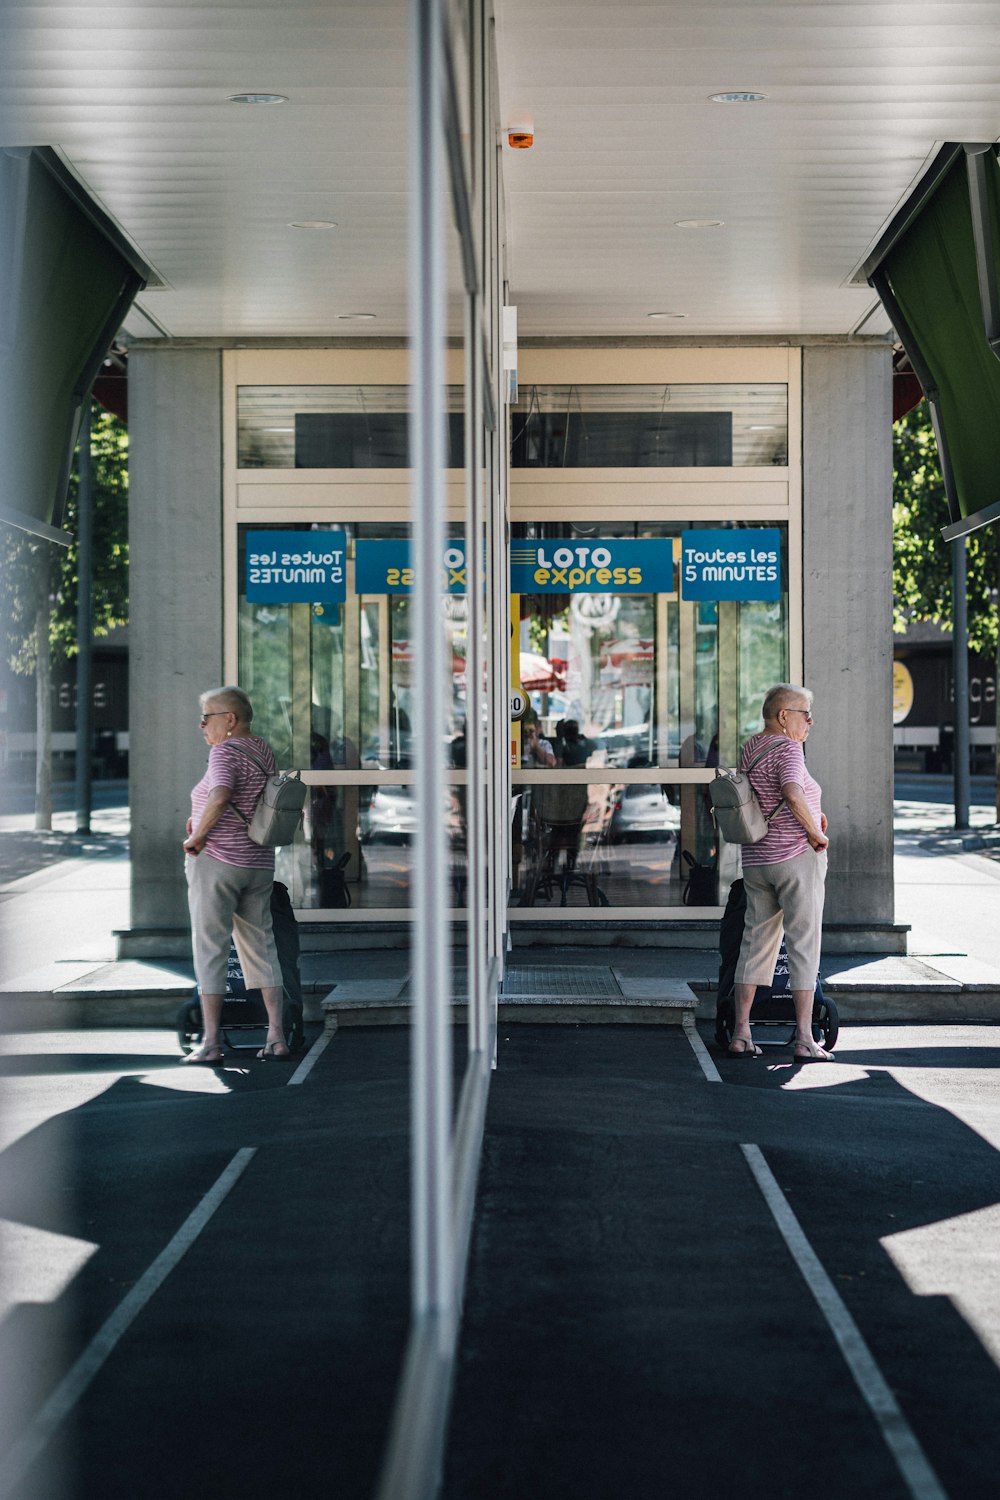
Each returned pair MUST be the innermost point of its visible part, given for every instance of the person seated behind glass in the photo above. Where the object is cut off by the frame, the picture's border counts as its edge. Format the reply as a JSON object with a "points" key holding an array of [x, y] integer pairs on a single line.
{"points": [[338, 752], [571, 747], [692, 752], [535, 749]]}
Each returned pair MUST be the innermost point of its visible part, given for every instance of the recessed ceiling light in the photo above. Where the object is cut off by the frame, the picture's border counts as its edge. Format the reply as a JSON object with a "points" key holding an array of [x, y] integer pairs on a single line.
{"points": [[737, 97], [278, 429], [762, 427], [666, 315], [313, 224], [699, 223], [257, 99], [355, 317]]}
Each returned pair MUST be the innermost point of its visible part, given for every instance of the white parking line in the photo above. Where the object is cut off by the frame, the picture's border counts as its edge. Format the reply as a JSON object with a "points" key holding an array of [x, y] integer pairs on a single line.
{"points": [[75, 1382], [918, 1476], [701, 1052], [311, 1058]]}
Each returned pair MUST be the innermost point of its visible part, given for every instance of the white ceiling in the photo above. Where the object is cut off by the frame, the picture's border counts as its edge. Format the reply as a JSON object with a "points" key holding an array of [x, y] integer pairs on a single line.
{"points": [[626, 143]]}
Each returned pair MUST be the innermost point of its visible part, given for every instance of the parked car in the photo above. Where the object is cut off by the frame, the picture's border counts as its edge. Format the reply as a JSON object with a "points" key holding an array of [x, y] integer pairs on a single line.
{"points": [[642, 811]]}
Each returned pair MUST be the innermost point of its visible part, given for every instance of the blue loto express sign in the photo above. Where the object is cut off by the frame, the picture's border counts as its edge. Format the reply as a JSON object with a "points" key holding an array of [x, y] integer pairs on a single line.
{"points": [[736, 564], [598, 567], [296, 567], [385, 567]]}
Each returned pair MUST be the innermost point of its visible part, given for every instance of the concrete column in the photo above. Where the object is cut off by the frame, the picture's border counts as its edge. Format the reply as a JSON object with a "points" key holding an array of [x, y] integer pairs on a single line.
{"points": [[175, 622], [847, 579]]}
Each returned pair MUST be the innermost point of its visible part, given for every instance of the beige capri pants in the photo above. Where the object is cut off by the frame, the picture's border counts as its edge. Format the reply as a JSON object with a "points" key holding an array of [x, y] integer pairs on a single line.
{"points": [[230, 901], [785, 896]]}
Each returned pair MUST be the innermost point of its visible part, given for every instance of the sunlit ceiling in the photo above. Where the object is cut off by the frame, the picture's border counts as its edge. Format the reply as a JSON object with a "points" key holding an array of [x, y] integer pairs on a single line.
{"points": [[627, 143]]}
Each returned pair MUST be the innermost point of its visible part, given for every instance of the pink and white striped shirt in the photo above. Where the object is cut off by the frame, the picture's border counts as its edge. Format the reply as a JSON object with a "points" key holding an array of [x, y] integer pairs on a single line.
{"points": [[785, 763], [229, 767]]}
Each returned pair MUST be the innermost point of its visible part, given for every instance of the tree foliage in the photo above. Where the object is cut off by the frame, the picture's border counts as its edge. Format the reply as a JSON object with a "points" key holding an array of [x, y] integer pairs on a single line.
{"points": [[34, 571], [921, 557]]}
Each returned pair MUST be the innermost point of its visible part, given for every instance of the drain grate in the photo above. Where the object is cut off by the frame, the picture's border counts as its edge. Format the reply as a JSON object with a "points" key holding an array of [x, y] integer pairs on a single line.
{"points": [[561, 983], [541, 984]]}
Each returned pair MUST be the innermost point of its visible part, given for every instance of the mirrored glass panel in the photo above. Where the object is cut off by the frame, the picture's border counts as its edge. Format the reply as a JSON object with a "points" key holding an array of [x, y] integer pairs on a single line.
{"points": [[332, 427], [650, 426], [629, 679], [649, 682], [356, 848], [602, 845], [332, 684]]}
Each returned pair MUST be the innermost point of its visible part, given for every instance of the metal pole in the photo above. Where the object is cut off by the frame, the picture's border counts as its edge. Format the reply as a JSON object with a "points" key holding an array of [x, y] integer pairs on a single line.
{"points": [[475, 759], [960, 674], [475, 537], [84, 628], [996, 734], [433, 1272]]}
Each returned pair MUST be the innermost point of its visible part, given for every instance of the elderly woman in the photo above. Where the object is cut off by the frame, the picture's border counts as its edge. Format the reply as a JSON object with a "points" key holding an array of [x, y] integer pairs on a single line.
{"points": [[784, 875], [229, 876]]}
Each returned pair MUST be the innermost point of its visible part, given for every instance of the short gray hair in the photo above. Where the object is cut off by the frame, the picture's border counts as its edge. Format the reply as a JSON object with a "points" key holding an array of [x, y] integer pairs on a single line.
{"points": [[232, 700], [780, 696]]}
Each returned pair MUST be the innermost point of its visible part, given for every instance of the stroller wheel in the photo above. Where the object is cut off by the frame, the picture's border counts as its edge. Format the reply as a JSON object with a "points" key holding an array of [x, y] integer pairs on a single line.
{"points": [[826, 1023]]}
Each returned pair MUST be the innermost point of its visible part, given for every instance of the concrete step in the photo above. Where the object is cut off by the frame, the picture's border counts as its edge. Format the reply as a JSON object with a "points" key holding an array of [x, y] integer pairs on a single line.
{"points": [[129, 992], [937, 987], [566, 995], [931, 987]]}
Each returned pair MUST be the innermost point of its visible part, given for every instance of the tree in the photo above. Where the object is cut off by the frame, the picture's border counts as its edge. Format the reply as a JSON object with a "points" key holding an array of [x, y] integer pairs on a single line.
{"points": [[921, 557], [39, 581]]}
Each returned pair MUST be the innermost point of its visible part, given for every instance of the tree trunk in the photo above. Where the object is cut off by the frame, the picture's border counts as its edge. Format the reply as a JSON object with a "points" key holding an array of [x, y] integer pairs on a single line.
{"points": [[43, 721]]}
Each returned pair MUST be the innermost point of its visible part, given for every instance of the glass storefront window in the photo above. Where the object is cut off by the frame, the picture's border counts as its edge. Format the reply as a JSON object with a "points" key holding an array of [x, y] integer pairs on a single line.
{"points": [[332, 684], [645, 679], [650, 426], [604, 845], [356, 848], [649, 683]]}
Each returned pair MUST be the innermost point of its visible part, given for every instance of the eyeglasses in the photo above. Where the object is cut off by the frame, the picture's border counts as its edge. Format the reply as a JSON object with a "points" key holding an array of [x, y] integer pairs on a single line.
{"points": [[217, 713], [808, 716]]}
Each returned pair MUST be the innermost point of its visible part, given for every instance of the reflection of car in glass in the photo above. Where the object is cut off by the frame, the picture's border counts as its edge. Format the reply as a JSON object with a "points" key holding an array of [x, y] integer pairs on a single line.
{"points": [[643, 812], [391, 816]]}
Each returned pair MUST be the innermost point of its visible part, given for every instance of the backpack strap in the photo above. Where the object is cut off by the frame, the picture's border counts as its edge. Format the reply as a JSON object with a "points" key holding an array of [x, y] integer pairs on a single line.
{"points": [[250, 755], [750, 765], [759, 757]]}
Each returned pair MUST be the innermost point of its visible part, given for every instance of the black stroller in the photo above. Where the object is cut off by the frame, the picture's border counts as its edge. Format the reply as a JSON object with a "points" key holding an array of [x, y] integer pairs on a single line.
{"points": [[243, 1010], [772, 1006]]}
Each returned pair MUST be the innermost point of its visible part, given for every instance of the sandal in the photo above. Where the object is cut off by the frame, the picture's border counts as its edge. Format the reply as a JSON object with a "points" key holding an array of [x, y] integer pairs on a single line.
{"points": [[746, 1046], [810, 1052], [270, 1050], [209, 1057]]}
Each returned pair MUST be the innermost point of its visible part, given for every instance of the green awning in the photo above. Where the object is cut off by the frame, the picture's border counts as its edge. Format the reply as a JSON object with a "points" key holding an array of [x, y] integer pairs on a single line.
{"points": [[936, 273], [66, 281]]}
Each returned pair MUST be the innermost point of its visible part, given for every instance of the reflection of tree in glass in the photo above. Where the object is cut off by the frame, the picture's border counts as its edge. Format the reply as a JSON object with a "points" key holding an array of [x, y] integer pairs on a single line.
{"points": [[265, 671], [763, 659]]}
